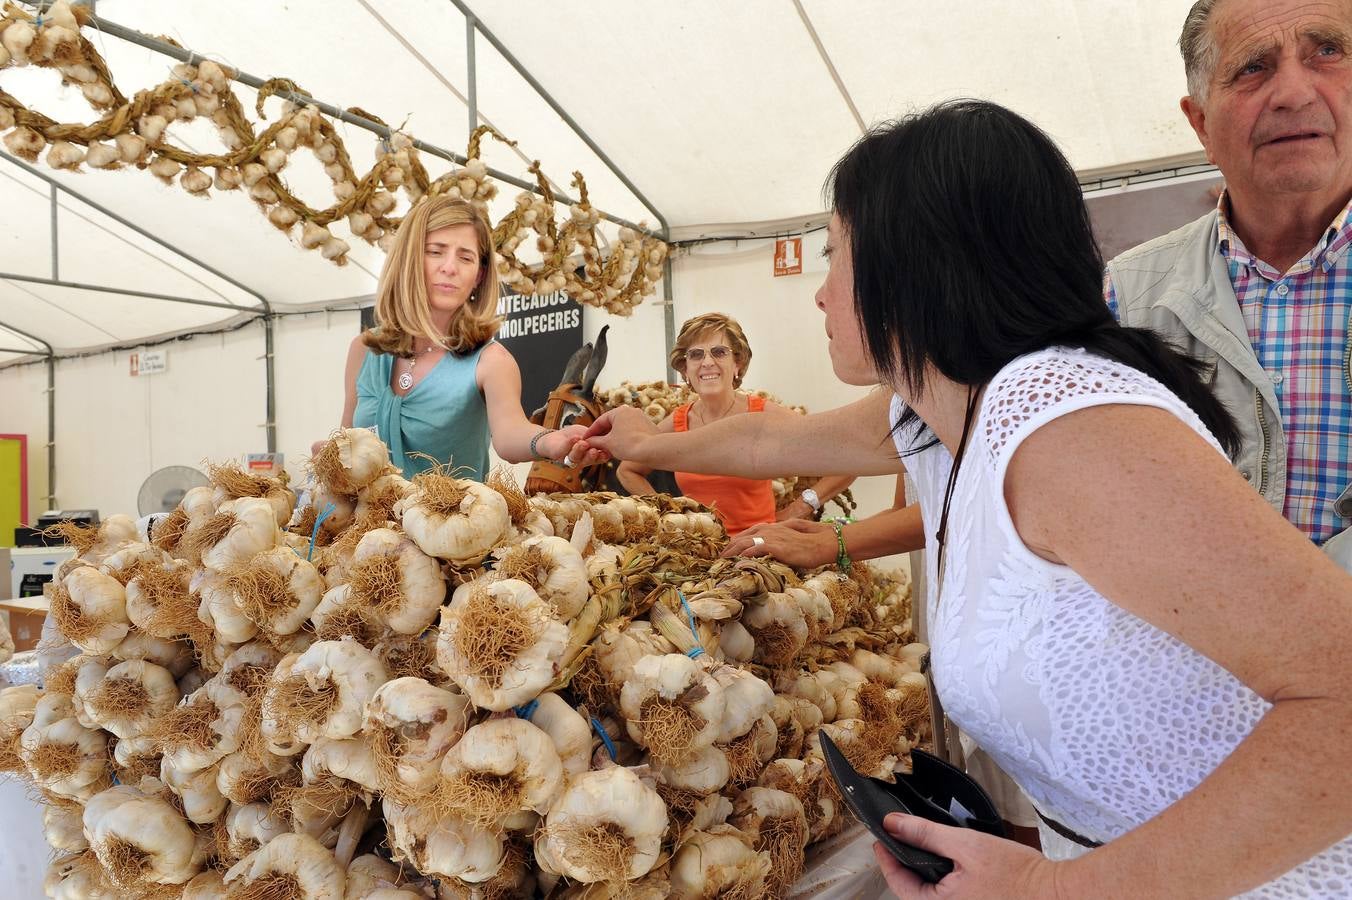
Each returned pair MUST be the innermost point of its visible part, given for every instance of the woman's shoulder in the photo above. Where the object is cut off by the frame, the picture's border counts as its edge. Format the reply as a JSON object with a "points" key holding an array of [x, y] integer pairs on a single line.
{"points": [[1040, 386]]}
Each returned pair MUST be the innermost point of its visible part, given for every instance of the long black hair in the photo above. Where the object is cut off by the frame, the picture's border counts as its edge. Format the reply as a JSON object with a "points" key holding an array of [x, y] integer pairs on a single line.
{"points": [[972, 246]]}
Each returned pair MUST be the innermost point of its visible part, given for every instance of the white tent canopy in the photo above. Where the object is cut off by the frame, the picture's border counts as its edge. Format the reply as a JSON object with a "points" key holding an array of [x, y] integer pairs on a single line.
{"points": [[727, 118]]}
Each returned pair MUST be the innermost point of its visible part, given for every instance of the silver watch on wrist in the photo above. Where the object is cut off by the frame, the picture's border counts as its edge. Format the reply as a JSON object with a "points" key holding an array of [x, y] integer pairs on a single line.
{"points": [[810, 497]]}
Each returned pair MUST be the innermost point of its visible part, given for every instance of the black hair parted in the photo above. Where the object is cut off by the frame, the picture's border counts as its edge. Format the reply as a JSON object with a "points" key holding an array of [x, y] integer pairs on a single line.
{"points": [[971, 246]]}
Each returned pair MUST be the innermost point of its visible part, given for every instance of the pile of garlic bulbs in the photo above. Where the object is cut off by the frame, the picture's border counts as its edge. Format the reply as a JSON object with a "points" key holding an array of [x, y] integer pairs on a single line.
{"points": [[443, 688]]}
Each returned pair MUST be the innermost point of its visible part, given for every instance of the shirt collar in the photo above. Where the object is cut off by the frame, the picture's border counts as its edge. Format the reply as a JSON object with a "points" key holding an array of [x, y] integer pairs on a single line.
{"points": [[1331, 245]]}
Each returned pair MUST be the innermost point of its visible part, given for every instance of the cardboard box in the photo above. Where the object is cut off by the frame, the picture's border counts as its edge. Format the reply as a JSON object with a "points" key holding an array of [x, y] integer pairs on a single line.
{"points": [[25, 620]]}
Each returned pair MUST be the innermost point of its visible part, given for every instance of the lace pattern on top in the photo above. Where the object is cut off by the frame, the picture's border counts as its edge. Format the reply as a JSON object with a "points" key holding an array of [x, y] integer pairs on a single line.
{"points": [[1103, 719]]}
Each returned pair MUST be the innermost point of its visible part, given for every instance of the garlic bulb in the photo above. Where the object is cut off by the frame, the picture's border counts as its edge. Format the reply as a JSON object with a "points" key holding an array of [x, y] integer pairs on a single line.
{"points": [[498, 642], [202, 800], [350, 460], [446, 845], [243, 780], [777, 826], [61, 754], [606, 826], [453, 519], [323, 692], [499, 768], [717, 863], [159, 602], [571, 734], [672, 707], [16, 714], [350, 759], [296, 863], [251, 826], [275, 588], [140, 840], [777, 625], [230, 482], [235, 532], [400, 582], [90, 608], [552, 567], [210, 885], [63, 828], [368, 874], [411, 724], [176, 656], [220, 607], [126, 698], [136, 758]]}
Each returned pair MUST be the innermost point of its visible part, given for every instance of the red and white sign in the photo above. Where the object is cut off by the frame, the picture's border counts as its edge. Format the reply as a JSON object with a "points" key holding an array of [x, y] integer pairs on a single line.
{"points": [[788, 256], [149, 362]]}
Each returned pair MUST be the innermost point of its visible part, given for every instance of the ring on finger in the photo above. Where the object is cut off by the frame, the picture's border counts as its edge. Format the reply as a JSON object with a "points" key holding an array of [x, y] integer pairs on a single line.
{"points": [[757, 540]]}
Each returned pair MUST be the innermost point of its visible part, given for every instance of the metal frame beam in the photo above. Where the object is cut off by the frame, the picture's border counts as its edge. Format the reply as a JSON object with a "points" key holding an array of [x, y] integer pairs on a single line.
{"points": [[129, 292], [269, 423], [51, 410], [473, 24]]}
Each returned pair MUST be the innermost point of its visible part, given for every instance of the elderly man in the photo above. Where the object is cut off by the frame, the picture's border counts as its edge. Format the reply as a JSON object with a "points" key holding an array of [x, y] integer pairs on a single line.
{"points": [[1261, 288]]}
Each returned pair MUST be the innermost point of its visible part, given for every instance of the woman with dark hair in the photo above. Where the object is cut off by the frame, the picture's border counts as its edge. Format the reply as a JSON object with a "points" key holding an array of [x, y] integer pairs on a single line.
{"points": [[1091, 624]]}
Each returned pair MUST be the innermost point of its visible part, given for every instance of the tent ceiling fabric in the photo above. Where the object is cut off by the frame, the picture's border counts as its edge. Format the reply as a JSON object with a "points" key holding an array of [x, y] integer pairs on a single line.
{"points": [[718, 112]]}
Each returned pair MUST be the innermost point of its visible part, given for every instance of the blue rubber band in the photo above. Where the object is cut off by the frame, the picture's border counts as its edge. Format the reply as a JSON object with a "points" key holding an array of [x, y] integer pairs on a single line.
{"points": [[37, 22], [319, 520], [698, 650], [526, 710], [605, 738]]}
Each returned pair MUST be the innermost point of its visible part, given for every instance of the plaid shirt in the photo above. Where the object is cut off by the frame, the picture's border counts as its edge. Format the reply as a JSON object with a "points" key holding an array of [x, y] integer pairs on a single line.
{"points": [[1297, 326]]}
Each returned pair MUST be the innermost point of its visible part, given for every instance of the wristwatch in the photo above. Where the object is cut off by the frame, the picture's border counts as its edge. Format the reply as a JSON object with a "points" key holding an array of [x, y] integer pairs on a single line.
{"points": [[810, 497]]}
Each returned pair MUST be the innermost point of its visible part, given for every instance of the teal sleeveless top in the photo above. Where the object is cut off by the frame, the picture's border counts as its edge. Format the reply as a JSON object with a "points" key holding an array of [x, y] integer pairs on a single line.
{"points": [[444, 416]]}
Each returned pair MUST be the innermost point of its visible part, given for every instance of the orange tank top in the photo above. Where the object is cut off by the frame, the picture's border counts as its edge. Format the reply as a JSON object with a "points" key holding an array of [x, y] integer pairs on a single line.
{"points": [[738, 502]]}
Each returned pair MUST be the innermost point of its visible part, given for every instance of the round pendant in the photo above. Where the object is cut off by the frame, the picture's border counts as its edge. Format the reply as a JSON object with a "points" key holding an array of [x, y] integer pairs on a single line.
{"points": [[405, 381]]}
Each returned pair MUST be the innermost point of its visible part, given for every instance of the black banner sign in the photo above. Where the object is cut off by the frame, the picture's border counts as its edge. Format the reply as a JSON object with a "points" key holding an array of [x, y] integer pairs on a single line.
{"points": [[542, 331]]}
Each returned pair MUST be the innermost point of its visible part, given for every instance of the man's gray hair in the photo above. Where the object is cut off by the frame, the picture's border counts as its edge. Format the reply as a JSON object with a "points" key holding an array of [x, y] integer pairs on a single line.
{"points": [[1199, 48]]}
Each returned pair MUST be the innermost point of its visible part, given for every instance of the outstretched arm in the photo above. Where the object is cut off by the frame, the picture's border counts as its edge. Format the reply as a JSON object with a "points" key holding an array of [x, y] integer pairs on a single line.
{"points": [[851, 440], [500, 380]]}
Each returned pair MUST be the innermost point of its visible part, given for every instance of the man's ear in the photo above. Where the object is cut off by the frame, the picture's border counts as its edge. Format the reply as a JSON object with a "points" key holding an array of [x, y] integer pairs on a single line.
{"points": [[1196, 117]]}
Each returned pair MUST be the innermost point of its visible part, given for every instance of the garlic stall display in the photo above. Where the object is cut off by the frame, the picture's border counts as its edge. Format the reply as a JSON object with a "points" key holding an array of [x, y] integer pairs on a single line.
{"points": [[462, 691]]}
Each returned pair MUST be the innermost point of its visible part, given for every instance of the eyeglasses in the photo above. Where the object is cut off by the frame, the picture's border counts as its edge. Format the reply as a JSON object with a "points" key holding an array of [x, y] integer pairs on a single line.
{"points": [[696, 354]]}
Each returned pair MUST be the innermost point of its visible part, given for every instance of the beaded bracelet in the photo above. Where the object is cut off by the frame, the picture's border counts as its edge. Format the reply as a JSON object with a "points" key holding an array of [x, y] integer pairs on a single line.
{"points": [[843, 561], [535, 454]]}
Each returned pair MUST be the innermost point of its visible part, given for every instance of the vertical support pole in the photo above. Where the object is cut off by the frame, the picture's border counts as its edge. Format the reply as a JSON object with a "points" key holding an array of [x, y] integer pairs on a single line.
{"points": [[56, 263], [51, 431], [669, 317], [270, 423], [472, 94]]}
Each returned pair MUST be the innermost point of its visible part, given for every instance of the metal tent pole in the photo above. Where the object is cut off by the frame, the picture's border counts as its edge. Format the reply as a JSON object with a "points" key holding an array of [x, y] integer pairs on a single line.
{"points": [[129, 292], [473, 23], [51, 410], [270, 381]]}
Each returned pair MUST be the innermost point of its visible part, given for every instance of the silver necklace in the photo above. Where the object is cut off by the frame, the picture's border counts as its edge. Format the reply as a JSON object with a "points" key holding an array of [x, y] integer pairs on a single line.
{"points": [[406, 378], [724, 414]]}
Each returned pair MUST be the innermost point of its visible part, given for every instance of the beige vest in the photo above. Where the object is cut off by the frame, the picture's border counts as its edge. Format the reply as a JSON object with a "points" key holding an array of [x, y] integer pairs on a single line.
{"points": [[1179, 285]]}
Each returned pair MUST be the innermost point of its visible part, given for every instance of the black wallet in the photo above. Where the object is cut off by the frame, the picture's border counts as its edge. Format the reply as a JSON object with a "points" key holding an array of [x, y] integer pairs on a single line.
{"points": [[934, 790]]}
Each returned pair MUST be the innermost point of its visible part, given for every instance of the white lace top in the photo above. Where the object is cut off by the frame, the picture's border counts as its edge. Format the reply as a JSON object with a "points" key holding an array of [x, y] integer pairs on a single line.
{"points": [[1101, 718]]}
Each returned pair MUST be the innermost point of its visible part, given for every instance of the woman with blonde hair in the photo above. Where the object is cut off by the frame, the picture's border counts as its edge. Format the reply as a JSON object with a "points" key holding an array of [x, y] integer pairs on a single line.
{"points": [[712, 354], [430, 378]]}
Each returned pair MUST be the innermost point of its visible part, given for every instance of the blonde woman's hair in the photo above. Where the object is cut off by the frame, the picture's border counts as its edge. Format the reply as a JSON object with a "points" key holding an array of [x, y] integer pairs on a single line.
{"points": [[402, 310], [693, 329]]}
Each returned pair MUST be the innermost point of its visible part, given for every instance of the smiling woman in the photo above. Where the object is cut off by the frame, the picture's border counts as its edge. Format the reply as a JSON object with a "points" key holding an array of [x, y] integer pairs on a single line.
{"points": [[430, 379]]}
